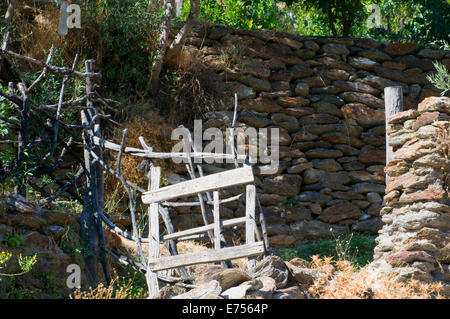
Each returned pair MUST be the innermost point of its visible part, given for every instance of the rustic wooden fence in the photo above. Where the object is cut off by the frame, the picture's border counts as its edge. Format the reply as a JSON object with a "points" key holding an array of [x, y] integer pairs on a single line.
{"points": [[210, 183], [93, 167]]}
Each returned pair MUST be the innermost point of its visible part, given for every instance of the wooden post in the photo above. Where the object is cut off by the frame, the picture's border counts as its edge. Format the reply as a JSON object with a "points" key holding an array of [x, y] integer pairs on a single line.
{"points": [[393, 99], [153, 254], [91, 229], [250, 224], [216, 220], [88, 229]]}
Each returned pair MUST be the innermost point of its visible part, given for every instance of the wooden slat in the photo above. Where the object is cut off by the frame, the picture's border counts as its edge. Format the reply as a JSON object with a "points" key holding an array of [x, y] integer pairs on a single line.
{"points": [[250, 224], [238, 176], [152, 278], [207, 256], [203, 229], [216, 220], [155, 155]]}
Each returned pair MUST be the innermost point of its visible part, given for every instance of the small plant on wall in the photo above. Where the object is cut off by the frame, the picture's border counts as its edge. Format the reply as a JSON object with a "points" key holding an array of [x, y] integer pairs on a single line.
{"points": [[440, 79]]}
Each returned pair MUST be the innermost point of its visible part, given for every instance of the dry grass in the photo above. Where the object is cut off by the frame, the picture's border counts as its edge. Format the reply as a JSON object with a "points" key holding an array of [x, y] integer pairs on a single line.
{"points": [[194, 93], [36, 29], [339, 280], [116, 290], [156, 133]]}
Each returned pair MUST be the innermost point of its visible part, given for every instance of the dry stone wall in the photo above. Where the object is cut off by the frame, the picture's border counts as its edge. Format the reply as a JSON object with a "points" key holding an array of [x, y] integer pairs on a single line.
{"points": [[415, 240], [326, 97]]}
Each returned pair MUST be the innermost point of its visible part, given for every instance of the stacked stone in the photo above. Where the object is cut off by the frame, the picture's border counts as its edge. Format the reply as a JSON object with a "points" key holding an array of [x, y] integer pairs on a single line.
{"points": [[415, 240], [326, 97]]}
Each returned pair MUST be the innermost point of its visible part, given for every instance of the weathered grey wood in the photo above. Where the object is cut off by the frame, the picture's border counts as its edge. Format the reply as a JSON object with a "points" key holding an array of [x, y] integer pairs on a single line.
{"points": [[190, 169], [155, 155], [216, 220], [250, 223], [172, 244], [238, 176], [52, 68], [393, 99], [262, 221], [201, 236], [152, 279], [181, 204], [207, 256], [203, 229], [220, 239]]}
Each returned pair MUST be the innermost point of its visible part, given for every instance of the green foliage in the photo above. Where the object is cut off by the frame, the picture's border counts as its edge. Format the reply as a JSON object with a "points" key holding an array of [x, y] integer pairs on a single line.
{"points": [[25, 263], [135, 284], [432, 23], [127, 30], [73, 248], [241, 14], [14, 240], [11, 289], [357, 248], [47, 92], [336, 17], [290, 203], [440, 79], [412, 21]]}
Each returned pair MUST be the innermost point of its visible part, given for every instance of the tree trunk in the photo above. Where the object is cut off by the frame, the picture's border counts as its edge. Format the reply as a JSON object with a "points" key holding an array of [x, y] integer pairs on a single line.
{"points": [[331, 21], [176, 45], [166, 51], [162, 47], [346, 23]]}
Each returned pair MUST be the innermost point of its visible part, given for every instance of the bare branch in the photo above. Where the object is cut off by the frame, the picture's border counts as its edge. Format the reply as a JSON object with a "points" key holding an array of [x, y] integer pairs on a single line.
{"points": [[61, 98], [51, 68], [131, 198], [43, 75], [63, 188]]}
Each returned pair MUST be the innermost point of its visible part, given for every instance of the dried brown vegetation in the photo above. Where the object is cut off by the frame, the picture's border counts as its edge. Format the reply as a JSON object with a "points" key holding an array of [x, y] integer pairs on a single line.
{"points": [[156, 133], [340, 280], [116, 290]]}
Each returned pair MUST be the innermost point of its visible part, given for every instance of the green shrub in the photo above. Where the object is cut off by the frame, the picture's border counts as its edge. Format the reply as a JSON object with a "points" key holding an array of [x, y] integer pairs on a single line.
{"points": [[440, 79], [355, 247], [241, 14]]}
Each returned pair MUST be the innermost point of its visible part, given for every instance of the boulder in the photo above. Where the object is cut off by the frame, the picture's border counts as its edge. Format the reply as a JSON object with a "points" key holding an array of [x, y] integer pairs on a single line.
{"points": [[209, 288], [363, 98], [266, 291], [315, 229], [281, 240], [283, 185], [340, 211], [230, 277], [360, 114], [370, 226], [302, 275], [260, 105], [289, 293], [274, 267]]}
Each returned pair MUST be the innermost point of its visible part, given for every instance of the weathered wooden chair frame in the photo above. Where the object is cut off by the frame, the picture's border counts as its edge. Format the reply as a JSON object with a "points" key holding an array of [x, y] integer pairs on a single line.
{"points": [[211, 183]]}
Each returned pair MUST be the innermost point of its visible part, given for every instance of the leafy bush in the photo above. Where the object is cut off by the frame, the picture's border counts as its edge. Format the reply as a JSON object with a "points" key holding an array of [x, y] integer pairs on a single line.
{"points": [[440, 79], [241, 14], [25, 263], [126, 38], [355, 247]]}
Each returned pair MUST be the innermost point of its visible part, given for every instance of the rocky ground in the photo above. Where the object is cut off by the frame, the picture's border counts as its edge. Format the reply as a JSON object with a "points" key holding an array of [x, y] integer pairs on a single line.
{"points": [[272, 278]]}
